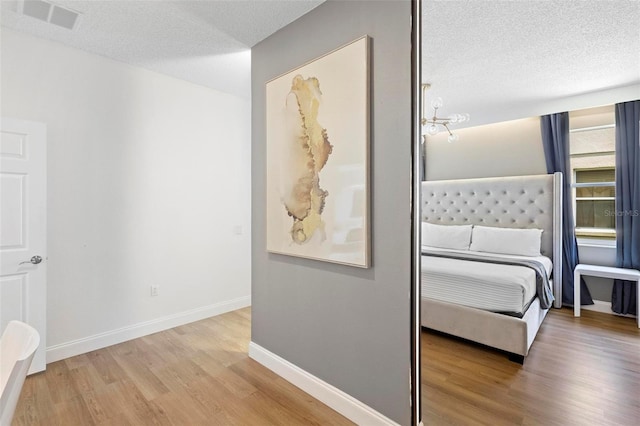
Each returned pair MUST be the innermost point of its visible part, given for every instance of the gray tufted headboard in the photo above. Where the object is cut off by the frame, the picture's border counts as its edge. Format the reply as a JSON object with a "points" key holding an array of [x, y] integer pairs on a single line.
{"points": [[506, 202]]}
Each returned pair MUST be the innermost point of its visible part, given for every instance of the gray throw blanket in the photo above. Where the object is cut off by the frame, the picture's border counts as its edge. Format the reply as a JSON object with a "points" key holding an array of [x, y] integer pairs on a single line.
{"points": [[543, 288]]}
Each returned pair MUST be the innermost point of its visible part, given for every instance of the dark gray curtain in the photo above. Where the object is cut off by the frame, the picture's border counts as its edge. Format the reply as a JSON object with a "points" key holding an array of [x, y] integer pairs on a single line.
{"points": [[555, 140], [623, 297]]}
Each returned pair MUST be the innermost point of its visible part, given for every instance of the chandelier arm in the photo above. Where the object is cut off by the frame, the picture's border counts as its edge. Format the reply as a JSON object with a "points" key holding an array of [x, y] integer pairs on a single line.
{"points": [[435, 120]]}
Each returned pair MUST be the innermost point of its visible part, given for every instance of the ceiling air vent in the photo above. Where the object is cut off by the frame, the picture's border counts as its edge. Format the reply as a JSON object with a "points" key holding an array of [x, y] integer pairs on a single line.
{"points": [[49, 12]]}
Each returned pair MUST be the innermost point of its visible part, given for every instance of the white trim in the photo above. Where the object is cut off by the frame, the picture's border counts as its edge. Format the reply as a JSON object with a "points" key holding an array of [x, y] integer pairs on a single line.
{"points": [[595, 198], [596, 242], [604, 307], [591, 154], [340, 401], [113, 337], [588, 129], [599, 306]]}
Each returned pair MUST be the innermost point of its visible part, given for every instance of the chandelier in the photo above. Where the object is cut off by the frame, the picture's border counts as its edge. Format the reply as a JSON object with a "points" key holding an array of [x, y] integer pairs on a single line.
{"points": [[432, 126]]}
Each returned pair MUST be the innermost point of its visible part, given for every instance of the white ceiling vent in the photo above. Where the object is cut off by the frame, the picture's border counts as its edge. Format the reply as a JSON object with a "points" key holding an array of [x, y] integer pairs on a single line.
{"points": [[49, 12]]}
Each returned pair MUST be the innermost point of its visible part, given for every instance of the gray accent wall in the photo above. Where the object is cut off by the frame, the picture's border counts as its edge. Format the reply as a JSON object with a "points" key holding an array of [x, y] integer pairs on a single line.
{"points": [[347, 326]]}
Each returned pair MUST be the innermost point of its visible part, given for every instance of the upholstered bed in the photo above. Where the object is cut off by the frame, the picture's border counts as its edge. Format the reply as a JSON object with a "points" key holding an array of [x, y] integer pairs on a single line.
{"points": [[522, 202]]}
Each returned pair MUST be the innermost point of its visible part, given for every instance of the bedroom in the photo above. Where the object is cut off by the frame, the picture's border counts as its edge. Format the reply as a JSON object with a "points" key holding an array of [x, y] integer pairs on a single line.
{"points": [[313, 325], [506, 89]]}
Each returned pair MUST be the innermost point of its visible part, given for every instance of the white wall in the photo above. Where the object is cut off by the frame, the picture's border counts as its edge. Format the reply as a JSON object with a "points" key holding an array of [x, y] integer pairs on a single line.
{"points": [[148, 178], [508, 148]]}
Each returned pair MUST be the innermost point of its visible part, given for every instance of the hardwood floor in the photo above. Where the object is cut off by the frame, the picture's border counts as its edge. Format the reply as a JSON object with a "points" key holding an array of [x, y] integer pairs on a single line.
{"points": [[580, 371], [196, 374]]}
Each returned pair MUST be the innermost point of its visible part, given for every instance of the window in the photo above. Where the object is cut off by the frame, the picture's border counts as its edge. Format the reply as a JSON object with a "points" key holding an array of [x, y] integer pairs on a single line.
{"points": [[595, 201], [592, 158]]}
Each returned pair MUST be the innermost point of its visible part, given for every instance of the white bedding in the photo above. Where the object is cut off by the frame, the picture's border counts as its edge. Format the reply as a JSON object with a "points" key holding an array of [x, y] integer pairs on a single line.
{"points": [[487, 286]]}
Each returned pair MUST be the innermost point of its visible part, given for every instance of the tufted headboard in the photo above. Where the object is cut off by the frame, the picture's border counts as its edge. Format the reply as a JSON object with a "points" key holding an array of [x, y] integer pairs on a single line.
{"points": [[505, 202]]}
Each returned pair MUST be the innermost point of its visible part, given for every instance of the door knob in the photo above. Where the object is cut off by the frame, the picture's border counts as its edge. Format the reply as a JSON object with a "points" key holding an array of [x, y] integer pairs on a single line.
{"points": [[34, 260]]}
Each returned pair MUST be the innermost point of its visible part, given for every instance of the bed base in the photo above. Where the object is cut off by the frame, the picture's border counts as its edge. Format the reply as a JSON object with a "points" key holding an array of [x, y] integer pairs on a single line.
{"points": [[519, 359], [507, 333]]}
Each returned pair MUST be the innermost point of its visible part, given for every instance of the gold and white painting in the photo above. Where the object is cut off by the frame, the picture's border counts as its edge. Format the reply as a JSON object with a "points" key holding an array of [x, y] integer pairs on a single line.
{"points": [[318, 158]]}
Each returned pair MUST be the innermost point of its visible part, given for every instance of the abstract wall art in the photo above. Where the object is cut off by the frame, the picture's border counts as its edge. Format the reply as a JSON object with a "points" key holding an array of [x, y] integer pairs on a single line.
{"points": [[317, 145]]}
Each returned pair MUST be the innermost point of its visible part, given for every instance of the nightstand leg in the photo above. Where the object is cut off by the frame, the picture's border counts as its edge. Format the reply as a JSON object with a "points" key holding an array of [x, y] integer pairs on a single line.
{"points": [[638, 301], [576, 293]]}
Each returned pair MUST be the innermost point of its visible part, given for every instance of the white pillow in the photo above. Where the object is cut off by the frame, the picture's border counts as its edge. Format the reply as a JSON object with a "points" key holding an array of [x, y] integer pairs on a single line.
{"points": [[456, 237], [523, 242]]}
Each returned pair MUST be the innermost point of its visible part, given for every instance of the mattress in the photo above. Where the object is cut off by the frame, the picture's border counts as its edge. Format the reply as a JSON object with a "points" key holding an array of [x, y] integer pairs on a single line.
{"points": [[493, 287]]}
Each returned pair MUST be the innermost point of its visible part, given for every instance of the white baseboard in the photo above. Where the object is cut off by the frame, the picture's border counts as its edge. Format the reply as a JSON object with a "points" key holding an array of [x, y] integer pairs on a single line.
{"points": [[604, 307], [113, 337], [599, 306], [340, 401]]}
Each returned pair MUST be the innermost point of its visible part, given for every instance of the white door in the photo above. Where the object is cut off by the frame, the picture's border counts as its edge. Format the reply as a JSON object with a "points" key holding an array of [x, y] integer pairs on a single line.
{"points": [[23, 228]]}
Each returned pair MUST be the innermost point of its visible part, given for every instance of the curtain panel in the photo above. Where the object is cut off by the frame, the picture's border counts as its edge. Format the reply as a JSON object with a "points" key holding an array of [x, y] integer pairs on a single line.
{"points": [[555, 140], [623, 297]]}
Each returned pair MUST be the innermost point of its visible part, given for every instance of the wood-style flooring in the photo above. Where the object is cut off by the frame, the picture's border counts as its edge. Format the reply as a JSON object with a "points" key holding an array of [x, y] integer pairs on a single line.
{"points": [[196, 374], [580, 371]]}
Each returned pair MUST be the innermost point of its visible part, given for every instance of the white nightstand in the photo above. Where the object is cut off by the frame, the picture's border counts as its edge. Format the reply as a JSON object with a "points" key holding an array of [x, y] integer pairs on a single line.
{"points": [[603, 272]]}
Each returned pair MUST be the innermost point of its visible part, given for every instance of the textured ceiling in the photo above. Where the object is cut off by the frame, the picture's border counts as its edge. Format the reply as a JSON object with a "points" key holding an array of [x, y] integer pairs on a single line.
{"points": [[480, 56], [206, 42], [491, 57]]}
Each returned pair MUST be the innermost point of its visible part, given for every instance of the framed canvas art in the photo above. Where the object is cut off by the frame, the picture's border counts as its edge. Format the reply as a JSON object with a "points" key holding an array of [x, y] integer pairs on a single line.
{"points": [[317, 145]]}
